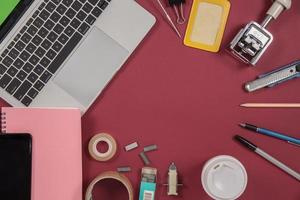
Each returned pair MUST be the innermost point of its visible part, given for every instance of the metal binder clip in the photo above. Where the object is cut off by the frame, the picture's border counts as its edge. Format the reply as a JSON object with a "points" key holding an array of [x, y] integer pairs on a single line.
{"points": [[275, 77], [178, 8], [253, 40]]}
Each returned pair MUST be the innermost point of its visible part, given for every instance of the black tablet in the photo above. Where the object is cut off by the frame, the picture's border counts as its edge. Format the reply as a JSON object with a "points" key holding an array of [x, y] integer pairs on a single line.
{"points": [[10, 12], [15, 166]]}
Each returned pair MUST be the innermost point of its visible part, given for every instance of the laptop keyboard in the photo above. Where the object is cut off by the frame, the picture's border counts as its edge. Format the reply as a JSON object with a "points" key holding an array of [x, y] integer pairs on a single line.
{"points": [[43, 44]]}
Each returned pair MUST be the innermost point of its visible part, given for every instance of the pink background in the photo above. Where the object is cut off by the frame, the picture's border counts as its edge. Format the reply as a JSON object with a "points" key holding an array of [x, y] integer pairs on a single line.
{"points": [[187, 102]]}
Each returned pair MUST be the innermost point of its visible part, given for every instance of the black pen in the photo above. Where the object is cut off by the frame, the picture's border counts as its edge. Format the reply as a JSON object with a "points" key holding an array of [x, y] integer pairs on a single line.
{"points": [[266, 156]]}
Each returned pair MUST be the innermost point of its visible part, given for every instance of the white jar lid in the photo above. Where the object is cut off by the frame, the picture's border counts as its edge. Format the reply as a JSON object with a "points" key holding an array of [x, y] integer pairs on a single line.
{"points": [[224, 178]]}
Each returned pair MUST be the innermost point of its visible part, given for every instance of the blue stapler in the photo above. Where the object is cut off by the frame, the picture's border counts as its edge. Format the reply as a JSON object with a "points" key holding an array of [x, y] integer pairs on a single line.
{"points": [[275, 77]]}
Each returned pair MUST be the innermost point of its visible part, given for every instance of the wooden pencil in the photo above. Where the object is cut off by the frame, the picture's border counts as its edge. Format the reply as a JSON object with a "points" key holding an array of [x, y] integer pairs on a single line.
{"points": [[271, 105]]}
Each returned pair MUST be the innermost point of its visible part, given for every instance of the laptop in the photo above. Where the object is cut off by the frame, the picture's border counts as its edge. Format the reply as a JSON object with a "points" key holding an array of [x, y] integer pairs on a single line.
{"points": [[62, 53]]}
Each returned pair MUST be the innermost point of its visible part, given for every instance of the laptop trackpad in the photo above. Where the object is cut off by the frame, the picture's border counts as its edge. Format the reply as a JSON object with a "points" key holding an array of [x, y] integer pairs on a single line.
{"points": [[91, 67]]}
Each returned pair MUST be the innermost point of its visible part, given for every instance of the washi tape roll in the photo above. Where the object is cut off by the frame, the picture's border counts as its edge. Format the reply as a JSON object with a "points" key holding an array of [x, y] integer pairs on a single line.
{"points": [[109, 175], [109, 140]]}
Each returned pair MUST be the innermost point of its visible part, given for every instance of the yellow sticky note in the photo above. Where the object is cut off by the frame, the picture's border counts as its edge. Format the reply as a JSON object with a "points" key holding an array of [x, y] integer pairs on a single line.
{"points": [[207, 24]]}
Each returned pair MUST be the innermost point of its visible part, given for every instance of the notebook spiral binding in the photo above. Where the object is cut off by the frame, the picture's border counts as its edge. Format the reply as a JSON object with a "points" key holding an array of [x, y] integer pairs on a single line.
{"points": [[3, 122]]}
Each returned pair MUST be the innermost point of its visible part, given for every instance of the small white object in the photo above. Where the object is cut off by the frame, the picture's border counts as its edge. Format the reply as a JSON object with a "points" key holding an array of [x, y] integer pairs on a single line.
{"points": [[131, 146], [224, 178]]}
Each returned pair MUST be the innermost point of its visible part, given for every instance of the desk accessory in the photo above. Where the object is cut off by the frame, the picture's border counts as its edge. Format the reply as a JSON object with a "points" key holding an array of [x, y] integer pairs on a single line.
{"points": [[148, 183], [224, 178], [168, 18], [271, 105], [275, 77], [207, 24], [173, 180], [152, 147], [57, 155], [177, 5], [274, 134], [266, 156], [124, 169], [109, 140], [110, 175], [144, 158], [253, 40], [131, 146], [15, 167]]}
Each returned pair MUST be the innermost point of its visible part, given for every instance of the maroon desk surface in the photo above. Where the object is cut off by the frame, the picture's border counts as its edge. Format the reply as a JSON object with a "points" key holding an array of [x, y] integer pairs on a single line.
{"points": [[187, 102]]}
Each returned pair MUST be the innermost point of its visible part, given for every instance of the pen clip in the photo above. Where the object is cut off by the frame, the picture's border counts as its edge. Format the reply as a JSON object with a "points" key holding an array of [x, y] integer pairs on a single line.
{"points": [[293, 143]]}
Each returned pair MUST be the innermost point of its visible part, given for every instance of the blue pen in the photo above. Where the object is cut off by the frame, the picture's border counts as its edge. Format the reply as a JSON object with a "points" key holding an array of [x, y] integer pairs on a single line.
{"points": [[267, 132]]}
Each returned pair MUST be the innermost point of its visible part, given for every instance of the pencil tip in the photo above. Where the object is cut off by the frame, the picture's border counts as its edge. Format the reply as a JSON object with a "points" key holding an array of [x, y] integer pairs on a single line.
{"points": [[243, 105], [242, 125]]}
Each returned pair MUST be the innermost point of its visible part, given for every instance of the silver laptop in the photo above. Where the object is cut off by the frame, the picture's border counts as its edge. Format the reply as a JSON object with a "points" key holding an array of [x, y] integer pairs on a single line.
{"points": [[62, 53]]}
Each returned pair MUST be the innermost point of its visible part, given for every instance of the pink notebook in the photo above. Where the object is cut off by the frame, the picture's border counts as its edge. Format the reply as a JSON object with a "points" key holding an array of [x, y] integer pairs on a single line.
{"points": [[56, 149]]}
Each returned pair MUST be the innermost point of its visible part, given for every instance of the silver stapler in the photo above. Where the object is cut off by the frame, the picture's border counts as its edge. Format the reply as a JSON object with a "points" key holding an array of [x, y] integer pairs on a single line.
{"points": [[275, 77], [253, 40]]}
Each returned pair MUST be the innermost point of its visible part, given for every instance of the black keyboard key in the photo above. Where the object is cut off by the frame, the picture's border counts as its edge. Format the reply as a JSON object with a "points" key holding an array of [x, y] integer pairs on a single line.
{"points": [[32, 93], [44, 15], [34, 60], [38, 22], [23, 29], [57, 46], [20, 45], [27, 68], [64, 21], [104, 5], [46, 44], [5, 80], [45, 77], [2, 69], [11, 45], [76, 5], [7, 61], [21, 75], [18, 63], [26, 101], [68, 48], [22, 90], [13, 85], [75, 23], [61, 9], [24, 56], [37, 40], [55, 17], [70, 13], [43, 32], [29, 22], [26, 38], [83, 28], [96, 12], [35, 14], [40, 52], [52, 36], [81, 15], [32, 30], [67, 2], [90, 20], [31, 48], [32, 77], [51, 54], [17, 37], [87, 7], [49, 24], [4, 53], [69, 31], [42, 6], [38, 69], [45, 62], [56, 1], [58, 29], [13, 53], [12, 71], [63, 38], [93, 2], [82, 1], [38, 85], [50, 7]]}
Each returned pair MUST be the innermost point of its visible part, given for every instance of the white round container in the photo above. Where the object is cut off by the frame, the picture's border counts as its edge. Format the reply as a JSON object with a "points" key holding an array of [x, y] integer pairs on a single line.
{"points": [[224, 178]]}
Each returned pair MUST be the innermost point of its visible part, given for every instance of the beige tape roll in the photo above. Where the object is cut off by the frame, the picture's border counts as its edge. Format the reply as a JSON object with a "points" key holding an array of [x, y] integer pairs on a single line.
{"points": [[109, 175], [112, 147]]}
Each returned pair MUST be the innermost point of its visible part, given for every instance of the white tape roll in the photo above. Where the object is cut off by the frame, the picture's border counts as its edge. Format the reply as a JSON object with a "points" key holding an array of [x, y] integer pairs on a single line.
{"points": [[110, 175], [109, 140]]}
